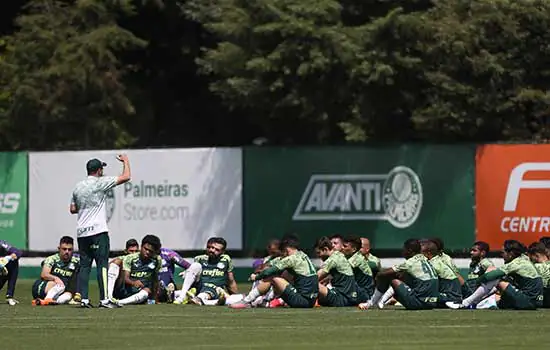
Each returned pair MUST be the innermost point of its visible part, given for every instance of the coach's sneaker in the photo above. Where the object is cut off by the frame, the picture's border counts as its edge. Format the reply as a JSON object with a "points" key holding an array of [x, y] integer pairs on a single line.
{"points": [[85, 304], [170, 289], [11, 301]]}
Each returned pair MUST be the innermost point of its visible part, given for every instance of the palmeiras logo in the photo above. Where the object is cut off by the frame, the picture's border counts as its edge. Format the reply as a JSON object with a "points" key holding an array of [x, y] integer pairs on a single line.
{"points": [[110, 204], [395, 197]]}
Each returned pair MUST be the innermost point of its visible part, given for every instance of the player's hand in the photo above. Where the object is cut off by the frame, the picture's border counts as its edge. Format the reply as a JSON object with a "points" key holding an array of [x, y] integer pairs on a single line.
{"points": [[13, 256], [58, 281], [252, 277], [122, 157], [138, 284]]}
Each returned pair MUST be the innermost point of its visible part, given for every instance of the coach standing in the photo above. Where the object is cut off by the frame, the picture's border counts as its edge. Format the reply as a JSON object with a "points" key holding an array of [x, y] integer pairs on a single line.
{"points": [[89, 202]]}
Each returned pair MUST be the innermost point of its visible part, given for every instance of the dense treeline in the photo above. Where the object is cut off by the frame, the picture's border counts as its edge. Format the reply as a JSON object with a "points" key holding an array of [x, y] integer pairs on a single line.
{"points": [[119, 73]]}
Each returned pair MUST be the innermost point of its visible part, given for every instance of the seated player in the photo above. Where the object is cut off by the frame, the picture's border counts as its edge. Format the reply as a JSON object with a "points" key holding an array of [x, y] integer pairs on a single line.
{"points": [[303, 291], [538, 253], [419, 288], [450, 289], [523, 288], [210, 274], [274, 254], [361, 268], [9, 269], [167, 285], [478, 266], [115, 278], [337, 242], [140, 273], [374, 262], [58, 276], [344, 288]]}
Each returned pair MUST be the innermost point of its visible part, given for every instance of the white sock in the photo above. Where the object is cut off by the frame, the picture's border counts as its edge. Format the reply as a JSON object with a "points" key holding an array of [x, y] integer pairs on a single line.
{"points": [[64, 298], [210, 302], [270, 295], [387, 296], [177, 294], [480, 293], [252, 295], [191, 275], [55, 291], [137, 298], [376, 297], [112, 277], [235, 298]]}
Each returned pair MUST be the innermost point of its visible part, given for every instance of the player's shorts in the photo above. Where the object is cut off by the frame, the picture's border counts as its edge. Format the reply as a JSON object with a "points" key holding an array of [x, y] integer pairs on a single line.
{"points": [[207, 288], [39, 289], [408, 298], [546, 300], [336, 299], [363, 295], [513, 298], [294, 299]]}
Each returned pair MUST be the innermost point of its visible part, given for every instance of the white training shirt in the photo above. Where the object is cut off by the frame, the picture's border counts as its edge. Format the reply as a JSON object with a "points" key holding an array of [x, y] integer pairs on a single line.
{"points": [[90, 196]]}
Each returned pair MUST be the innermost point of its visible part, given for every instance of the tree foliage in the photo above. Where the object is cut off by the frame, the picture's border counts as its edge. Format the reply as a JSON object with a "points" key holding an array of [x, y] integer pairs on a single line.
{"points": [[117, 73]]}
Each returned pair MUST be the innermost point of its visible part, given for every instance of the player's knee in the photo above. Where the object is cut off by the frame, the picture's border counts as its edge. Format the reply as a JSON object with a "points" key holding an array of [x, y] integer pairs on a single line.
{"points": [[195, 268], [502, 285]]}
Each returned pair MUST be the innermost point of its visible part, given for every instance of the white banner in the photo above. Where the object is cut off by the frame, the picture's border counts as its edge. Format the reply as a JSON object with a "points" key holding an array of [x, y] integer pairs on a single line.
{"points": [[184, 196]]}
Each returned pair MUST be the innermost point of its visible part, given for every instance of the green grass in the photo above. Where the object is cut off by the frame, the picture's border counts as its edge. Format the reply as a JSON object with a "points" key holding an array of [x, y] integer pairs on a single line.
{"points": [[192, 327]]}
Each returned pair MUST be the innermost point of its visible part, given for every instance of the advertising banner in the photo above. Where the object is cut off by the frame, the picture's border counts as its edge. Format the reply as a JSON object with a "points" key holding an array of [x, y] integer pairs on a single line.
{"points": [[184, 196], [388, 194], [13, 198], [512, 189]]}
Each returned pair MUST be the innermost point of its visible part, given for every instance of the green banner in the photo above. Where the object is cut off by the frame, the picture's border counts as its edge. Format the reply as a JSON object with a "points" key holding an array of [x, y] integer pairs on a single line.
{"points": [[388, 194], [13, 198]]}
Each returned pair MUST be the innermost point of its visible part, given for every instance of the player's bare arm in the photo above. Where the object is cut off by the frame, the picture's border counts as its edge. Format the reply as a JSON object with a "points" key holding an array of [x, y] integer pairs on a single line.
{"points": [[321, 274], [385, 273], [47, 276], [126, 174], [232, 284], [129, 282]]}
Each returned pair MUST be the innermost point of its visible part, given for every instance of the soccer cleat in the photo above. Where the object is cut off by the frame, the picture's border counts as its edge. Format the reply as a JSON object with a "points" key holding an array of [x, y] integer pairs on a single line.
{"points": [[454, 306], [277, 302], [36, 302], [77, 297], [240, 306], [196, 301], [222, 296], [109, 304]]}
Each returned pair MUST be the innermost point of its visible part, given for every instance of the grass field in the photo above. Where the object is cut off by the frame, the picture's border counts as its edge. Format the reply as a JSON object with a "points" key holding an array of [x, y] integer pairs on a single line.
{"points": [[192, 327]]}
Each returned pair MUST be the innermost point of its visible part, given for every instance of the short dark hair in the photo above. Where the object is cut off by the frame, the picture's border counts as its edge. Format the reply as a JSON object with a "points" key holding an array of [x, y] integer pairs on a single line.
{"points": [[516, 248], [336, 236], [537, 248], [430, 245], [412, 245], [290, 241], [354, 241], [545, 240], [438, 243], [66, 240], [217, 240], [153, 240], [323, 242], [483, 246], [132, 242]]}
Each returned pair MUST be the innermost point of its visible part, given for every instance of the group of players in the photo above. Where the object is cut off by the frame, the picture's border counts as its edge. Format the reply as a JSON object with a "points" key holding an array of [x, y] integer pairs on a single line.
{"points": [[349, 276]]}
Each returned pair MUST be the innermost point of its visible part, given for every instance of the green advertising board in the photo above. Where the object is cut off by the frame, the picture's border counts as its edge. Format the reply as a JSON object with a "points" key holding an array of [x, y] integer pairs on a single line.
{"points": [[388, 194], [13, 198]]}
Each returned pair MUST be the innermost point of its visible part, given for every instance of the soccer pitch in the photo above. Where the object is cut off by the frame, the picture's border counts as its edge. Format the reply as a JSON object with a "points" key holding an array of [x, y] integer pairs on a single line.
{"points": [[193, 327]]}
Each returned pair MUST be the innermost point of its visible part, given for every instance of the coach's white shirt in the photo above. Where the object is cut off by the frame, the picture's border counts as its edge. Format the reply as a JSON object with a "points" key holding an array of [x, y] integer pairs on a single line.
{"points": [[90, 196]]}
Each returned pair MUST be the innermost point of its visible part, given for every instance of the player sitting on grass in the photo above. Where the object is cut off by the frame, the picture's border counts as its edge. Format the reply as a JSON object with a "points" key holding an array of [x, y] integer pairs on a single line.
{"points": [[361, 268], [478, 266], [59, 271], [273, 255], [302, 293], [140, 273], [9, 269], [374, 262], [450, 289], [419, 288], [343, 291], [538, 253], [115, 278], [167, 285], [209, 274], [522, 290]]}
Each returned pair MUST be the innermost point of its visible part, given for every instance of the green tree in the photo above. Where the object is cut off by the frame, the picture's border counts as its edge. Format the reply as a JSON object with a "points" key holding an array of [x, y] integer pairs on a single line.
{"points": [[62, 77]]}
